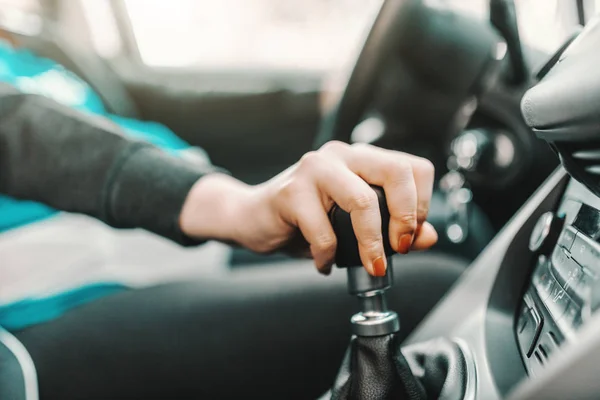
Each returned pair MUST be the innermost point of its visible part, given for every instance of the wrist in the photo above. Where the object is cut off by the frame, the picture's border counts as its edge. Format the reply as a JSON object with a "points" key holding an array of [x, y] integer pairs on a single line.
{"points": [[215, 207]]}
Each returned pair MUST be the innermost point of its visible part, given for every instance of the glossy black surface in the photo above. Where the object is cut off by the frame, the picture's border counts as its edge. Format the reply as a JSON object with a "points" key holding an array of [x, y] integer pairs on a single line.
{"points": [[588, 222]]}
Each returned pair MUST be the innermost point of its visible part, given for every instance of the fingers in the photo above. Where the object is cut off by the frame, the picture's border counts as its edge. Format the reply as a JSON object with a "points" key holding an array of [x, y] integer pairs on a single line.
{"points": [[312, 220], [363, 205], [425, 237], [407, 181], [424, 175], [355, 196], [395, 175], [341, 173]]}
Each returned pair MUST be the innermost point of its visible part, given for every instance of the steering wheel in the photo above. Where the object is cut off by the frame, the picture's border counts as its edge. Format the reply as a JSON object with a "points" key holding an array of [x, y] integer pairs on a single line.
{"points": [[444, 58]]}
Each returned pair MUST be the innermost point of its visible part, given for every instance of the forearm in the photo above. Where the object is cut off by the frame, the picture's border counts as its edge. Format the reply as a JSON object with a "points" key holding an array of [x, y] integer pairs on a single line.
{"points": [[81, 163], [223, 208]]}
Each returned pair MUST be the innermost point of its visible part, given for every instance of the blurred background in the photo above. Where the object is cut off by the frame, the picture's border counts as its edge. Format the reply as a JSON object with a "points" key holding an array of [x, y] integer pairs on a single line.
{"points": [[244, 83], [230, 47], [319, 35]]}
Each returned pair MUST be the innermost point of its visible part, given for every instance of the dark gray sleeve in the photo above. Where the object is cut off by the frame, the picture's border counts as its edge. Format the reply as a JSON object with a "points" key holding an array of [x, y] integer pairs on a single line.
{"points": [[82, 163]]}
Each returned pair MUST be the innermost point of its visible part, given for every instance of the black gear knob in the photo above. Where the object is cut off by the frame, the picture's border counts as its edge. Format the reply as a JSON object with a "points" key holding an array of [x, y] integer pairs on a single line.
{"points": [[374, 319], [347, 246]]}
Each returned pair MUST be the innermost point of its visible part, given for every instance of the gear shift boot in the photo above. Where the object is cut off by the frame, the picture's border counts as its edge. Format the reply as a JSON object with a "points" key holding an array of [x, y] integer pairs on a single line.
{"points": [[378, 368], [374, 368]]}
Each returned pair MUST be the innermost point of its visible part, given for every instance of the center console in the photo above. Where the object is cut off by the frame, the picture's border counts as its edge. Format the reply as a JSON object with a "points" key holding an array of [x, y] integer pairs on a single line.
{"points": [[564, 290]]}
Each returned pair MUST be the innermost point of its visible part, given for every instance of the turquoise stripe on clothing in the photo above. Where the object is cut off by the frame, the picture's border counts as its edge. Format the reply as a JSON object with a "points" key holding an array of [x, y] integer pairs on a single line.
{"points": [[33, 74], [32, 311]]}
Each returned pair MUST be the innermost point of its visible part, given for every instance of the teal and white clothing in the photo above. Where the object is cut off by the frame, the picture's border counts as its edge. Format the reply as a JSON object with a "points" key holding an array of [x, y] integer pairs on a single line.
{"points": [[51, 261]]}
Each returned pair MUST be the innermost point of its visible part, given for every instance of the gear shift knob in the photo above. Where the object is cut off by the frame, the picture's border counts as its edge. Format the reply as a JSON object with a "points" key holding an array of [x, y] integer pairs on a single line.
{"points": [[347, 245], [374, 319]]}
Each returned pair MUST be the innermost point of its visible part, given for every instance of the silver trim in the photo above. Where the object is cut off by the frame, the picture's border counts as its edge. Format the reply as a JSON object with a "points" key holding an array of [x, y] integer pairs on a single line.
{"points": [[375, 323], [471, 379], [361, 283], [374, 319], [541, 231], [25, 361]]}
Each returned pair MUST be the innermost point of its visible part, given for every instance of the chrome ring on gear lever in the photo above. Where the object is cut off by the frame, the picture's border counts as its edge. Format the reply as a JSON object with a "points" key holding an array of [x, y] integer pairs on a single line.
{"points": [[374, 319]]}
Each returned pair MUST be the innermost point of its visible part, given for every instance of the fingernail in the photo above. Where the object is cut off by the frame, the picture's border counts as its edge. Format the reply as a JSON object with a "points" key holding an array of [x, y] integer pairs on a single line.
{"points": [[404, 243], [379, 266]]}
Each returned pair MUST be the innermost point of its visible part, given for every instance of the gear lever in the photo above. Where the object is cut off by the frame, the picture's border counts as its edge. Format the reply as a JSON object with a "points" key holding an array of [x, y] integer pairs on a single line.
{"points": [[375, 365], [372, 368], [374, 319]]}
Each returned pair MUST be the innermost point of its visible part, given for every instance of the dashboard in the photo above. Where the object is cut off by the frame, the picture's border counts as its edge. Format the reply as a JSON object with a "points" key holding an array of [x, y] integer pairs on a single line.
{"points": [[527, 308], [564, 288]]}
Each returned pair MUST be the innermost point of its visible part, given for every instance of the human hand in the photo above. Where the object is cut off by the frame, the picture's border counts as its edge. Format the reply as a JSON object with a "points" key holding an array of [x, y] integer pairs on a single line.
{"points": [[268, 217]]}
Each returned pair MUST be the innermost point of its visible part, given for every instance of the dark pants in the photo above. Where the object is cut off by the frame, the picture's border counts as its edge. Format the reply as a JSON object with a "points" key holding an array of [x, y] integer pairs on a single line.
{"points": [[268, 332]]}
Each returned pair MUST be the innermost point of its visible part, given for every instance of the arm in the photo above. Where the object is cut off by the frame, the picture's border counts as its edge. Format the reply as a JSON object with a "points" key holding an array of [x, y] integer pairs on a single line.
{"points": [[81, 163]]}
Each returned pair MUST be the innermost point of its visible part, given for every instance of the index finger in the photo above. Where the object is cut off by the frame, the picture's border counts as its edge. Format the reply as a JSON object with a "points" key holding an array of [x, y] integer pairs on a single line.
{"points": [[353, 195]]}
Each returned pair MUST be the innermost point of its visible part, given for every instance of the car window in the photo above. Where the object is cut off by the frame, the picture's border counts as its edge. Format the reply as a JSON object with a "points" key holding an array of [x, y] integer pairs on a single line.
{"points": [[20, 16], [593, 10], [546, 24], [104, 32], [302, 34], [319, 35]]}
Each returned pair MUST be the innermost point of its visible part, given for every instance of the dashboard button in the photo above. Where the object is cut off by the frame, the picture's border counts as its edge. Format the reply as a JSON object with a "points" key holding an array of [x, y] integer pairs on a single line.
{"points": [[572, 316], [535, 367], [586, 253], [557, 302], [583, 288], [523, 319], [545, 284], [567, 237], [529, 327], [566, 271], [528, 300], [547, 344]]}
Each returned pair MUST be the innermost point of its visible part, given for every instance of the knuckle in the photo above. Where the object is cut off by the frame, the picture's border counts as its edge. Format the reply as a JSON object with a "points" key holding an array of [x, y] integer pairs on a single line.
{"points": [[361, 145], [398, 171], [334, 146], [408, 219], [372, 244], [310, 160], [426, 167], [325, 243], [403, 165], [422, 211], [364, 201], [288, 190]]}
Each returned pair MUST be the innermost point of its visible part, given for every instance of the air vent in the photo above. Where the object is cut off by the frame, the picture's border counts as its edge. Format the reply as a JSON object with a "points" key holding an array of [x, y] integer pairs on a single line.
{"points": [[588, 159], [582, 161], [586, 155]]}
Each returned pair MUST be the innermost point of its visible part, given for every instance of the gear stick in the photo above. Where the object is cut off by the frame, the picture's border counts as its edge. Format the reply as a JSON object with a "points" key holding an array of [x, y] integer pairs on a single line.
{"points": [[374, 319], [375, 366]]}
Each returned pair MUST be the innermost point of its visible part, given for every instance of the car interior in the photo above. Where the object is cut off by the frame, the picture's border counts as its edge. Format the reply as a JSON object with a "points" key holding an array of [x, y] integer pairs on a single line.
{"points": [[503, 96]]}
